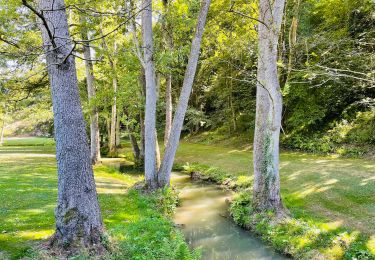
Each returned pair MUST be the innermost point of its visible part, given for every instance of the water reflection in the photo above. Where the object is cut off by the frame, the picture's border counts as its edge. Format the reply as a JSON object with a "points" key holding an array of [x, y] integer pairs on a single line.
{"points": [[202, 213]]}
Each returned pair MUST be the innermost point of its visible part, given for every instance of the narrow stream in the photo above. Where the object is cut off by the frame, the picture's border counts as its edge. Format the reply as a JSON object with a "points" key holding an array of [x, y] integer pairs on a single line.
{"points": [[202, 213]]}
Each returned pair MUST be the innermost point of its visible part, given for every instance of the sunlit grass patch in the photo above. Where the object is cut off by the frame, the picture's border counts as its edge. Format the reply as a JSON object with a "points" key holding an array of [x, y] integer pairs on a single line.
{"points": [[137, 223]]}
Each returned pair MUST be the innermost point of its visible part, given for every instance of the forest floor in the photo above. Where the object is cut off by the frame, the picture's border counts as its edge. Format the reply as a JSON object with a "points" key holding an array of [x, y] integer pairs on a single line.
{"points": [[137, 224]]}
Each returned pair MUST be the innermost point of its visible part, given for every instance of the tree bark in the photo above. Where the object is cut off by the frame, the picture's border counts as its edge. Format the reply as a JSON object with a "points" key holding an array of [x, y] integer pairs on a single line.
{"points": [[168, 80], [168, 108], [78, 217], [112, 138], [151, 96], [94, 115], [118, 130], [266, 192], [178, 120], [293, 37], [2, 132]]}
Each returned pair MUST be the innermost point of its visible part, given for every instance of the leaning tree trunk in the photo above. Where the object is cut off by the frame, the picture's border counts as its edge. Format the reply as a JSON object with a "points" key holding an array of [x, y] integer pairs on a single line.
{"points": [[94, 115], [78, 218], [151, 96], [266, 193], [178, 120]]}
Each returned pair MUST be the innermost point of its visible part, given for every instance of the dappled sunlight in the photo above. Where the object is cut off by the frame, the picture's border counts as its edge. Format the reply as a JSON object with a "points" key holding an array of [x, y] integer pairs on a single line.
{"points": [[35, 235], [110, 188], [340, 242], [329, 226], [367, 181], [371, 244]]}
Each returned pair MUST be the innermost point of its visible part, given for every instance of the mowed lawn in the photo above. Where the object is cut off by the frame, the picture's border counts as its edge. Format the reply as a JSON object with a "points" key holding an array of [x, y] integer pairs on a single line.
{"points": [[28, 193], [337, 191], [332, 192]]}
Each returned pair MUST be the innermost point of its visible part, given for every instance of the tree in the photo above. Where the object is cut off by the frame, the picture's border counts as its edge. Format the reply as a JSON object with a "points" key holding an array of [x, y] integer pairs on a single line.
{"points": [[113, 67], [78, 217], [151, 96], [164, 173], [90, 81], [266, 193], [168, 78]]}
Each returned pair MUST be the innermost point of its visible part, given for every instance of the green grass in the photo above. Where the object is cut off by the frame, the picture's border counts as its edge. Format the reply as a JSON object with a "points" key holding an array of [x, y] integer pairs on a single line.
{"points": [[339, 189], [139, 226], [333, 196], [29, 141]]}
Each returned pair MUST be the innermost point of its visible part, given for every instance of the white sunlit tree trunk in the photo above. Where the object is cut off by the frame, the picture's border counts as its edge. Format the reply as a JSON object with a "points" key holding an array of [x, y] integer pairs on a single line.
{"points": [[151, 96], [90, 79], [78, 217], [266, 192]]}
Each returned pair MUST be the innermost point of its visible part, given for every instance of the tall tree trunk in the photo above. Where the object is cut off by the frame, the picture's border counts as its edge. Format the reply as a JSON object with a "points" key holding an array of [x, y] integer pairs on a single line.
{"points": [[2, 132], [142, 82], [134, 143], [78, 217], [118, 130], [168, 79], [178, 120], [266, 192], [168, 108], [112, 136], [142, 141], [157, 152], [151, 96], [94, 115], [293, 37]]}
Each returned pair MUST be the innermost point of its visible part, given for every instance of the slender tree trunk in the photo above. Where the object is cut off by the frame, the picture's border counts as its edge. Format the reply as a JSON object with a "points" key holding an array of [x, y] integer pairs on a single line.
{"points": [[157, 152], [142, 141], [266, 193], [168, 79], [151, 96], [94, 115], [134, 143], [118, 131], [112, 136], [2, 132], [168, 108], [78, 217], [178, 120], [108, 123], [293, 37]]}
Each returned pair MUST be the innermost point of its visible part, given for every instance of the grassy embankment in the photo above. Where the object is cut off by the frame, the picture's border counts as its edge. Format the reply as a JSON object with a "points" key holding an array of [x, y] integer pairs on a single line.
{"points": [[139, 226], [331, 200]]}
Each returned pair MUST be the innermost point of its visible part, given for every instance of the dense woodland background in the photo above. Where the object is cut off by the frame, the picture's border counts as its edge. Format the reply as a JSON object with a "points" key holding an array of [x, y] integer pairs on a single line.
{"points": [[326, 59]]}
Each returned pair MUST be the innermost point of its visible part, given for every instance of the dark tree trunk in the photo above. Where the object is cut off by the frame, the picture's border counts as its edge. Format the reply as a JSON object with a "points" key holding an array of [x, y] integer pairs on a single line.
{"points": [[78, 217]]}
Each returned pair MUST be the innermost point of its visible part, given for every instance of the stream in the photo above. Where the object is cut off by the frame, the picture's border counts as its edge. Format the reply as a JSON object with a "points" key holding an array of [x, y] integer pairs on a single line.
{"points": [[201, 214]]}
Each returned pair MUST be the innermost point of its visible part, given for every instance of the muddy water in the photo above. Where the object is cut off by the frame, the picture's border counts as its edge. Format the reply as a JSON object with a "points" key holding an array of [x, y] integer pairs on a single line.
{"points": [[202, 214]]}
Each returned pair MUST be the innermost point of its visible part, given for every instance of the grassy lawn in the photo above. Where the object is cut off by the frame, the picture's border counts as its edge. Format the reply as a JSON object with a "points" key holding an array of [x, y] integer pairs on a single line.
{"points": [[335, 194], [342, 190], [137, 224]]}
